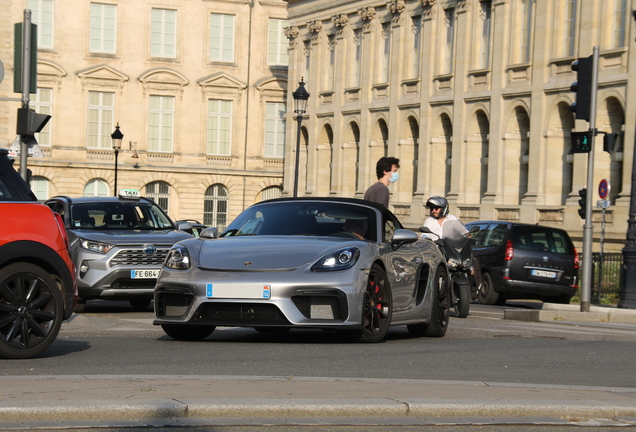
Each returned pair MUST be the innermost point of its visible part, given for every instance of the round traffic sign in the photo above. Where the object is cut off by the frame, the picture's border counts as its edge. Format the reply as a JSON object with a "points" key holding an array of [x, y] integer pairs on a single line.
{"points": [[604, 189]]}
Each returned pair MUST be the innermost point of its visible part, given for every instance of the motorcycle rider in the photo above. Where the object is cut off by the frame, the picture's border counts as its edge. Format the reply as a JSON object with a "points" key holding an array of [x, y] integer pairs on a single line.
{"points": [[447, 225], [442, 223]]}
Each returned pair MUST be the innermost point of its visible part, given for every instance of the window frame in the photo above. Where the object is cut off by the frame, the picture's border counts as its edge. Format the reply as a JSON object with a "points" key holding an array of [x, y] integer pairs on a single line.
{"points": [[214, 146], [275, 149], [281, 53], [104, 129], [163, 33], [102, 29], [222, 37], [160, 127]]}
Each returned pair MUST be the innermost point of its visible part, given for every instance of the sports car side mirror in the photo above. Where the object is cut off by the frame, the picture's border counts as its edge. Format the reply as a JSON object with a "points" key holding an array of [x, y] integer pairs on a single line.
{"points": [[209, 233], [402, 237]]}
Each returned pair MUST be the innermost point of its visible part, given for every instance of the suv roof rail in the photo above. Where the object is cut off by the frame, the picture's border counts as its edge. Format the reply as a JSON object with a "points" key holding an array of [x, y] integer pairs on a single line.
{"points": [[66, 197]]}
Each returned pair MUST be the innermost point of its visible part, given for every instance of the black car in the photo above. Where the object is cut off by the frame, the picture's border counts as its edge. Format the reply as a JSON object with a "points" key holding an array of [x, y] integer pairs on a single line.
{"points": [[522, 261]]}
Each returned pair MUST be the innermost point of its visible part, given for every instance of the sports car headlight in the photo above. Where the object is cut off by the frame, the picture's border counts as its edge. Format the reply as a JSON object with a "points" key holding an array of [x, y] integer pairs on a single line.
{"points": [[341, 259], [178, 258], [96, 246]]}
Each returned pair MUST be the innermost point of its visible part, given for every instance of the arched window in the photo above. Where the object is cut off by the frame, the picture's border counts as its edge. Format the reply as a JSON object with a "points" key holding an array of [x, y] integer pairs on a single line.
{"points": [[215, 207], [96, 188], [270, 192], [159, 192], [40, 187]]}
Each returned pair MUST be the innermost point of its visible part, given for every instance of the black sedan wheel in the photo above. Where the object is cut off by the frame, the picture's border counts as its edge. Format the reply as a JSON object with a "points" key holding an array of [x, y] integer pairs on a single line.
{"points": [[187, 332], [31, 310], [440, 308], [377, 306]]}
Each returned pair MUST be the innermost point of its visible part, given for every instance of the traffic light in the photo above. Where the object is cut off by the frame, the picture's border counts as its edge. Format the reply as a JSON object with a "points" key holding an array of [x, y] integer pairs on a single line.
{"points": [[582, 202], [30, 122], [609, 139], [581, 142], [582, 87]]}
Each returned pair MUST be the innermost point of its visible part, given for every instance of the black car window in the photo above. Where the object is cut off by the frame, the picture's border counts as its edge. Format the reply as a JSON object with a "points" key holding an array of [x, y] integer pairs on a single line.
{"points": [[541, 239], [497, 233], [116, 215], [12, 187], [302, 218], [480, 236]]}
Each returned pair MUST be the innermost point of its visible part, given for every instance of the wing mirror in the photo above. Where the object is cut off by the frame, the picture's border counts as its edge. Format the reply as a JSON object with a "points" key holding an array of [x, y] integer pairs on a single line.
{"points": [[184, 226], [402, 237], [209, 233]]}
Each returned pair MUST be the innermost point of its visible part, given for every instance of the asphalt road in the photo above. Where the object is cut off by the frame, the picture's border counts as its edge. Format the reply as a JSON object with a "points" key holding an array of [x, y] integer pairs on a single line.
{"points": [[112, 338]]}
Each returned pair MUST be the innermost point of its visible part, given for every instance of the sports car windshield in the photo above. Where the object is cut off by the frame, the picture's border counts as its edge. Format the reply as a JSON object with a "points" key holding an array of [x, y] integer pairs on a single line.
{"points": [[116, 215], [305, 219]]}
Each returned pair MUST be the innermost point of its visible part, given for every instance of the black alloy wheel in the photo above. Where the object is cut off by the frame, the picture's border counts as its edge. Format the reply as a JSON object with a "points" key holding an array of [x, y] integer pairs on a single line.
{"points": [[377, 306], [31, 310]]}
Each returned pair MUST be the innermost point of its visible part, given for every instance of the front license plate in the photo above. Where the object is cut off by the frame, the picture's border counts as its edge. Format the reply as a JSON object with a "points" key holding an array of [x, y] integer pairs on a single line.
{"points": [[238, 291], [543, 273], [144, 274]]}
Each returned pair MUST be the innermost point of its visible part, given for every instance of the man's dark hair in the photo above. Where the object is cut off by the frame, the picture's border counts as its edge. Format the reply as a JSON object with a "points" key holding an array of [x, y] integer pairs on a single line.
{"points": [[386, 164]]}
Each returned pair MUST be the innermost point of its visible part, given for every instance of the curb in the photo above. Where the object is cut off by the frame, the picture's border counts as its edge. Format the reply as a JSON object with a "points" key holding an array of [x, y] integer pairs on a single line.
{"points": [[311, 408], [551, 312]]}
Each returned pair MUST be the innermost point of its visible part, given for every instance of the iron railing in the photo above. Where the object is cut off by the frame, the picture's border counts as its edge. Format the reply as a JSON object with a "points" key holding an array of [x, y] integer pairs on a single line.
{"points": [[606, 275]]}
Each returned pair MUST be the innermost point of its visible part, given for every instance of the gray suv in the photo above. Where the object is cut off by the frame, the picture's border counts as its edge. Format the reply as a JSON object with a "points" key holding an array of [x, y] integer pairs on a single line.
{"points": [[523, 261], [118, 245]]}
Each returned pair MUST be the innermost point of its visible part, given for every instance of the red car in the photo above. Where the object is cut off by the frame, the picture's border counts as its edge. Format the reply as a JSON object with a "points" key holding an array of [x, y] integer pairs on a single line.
{"points": [[37, 276]]}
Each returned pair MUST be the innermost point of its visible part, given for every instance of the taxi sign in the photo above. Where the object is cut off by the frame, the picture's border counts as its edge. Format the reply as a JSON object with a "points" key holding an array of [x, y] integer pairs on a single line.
{"points": [[129, 194]]}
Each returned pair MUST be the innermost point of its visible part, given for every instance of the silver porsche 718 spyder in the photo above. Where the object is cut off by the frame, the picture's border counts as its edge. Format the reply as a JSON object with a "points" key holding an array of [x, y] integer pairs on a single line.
{"points": [[329, 263]]}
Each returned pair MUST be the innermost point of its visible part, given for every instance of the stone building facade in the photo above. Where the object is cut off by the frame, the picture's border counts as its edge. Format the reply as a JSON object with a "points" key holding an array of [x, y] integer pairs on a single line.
{"points": [[198, 88], [472, 96]]}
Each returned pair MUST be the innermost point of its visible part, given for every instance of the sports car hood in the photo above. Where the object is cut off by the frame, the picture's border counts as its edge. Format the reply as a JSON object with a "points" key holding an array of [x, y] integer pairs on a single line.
{"points": [[266, 253], [132, 236]]}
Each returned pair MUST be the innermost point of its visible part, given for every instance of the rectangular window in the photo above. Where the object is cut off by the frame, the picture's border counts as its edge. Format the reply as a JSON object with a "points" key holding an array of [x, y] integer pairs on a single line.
{"points": [[526, 35], [103, 28], [163, 33], [417, 36], [43, 104], [42, 14], [219, 127], [618, 36], [276, 43], [386, 53], [100, 120], [569, 31], [160, 123], [275, 129], [449, 15], [331, 67], [222, 37], [357, 57], [484, 52]]}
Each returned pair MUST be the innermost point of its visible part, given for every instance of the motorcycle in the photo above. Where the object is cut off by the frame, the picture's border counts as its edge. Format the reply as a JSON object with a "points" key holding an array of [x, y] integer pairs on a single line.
{"points": [[464, 279]]}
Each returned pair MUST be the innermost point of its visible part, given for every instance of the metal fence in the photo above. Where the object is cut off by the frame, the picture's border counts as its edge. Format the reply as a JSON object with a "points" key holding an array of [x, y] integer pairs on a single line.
{"points": [[606, 275]]}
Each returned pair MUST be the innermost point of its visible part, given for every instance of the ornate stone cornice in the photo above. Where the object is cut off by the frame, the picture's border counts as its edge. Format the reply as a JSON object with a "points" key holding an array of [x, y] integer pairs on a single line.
{"points": [[396, 7], [428, 8], [463, 5]]}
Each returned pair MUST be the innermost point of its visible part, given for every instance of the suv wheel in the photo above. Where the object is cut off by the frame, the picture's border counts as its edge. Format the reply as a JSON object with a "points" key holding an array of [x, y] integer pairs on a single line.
{"points": [[31, 312]]}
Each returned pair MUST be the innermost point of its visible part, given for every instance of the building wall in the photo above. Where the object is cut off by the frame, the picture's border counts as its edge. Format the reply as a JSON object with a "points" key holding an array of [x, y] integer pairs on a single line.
{"points": [[72, 71], [485, 124]]}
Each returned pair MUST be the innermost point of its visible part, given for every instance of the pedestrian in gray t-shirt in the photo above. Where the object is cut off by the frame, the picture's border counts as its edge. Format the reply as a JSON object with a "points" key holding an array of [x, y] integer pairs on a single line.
{"points": [[386, 170]]}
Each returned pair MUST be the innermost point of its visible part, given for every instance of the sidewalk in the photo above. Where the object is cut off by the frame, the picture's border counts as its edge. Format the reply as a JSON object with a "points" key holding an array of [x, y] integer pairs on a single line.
{"points": [[551, 312], [143, 397]]}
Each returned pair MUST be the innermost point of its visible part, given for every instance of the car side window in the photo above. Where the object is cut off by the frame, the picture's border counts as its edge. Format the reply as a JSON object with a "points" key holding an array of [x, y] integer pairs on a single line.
{"points": [[481, 235], [496, 235]]}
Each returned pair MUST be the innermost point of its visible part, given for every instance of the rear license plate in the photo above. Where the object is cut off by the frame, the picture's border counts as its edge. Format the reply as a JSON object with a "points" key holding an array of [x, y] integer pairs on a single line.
{"points": [[543, 273], [144, 274], [238, 291]]}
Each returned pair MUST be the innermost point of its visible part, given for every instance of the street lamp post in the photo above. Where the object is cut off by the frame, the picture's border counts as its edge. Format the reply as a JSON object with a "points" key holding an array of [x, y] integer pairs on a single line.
{"points": [[116, 136], [300, 106], [627, 292]]}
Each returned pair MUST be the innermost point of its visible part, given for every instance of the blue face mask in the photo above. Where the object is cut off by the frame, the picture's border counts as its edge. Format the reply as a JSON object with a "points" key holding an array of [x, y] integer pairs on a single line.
{"points": [[394, 177]]}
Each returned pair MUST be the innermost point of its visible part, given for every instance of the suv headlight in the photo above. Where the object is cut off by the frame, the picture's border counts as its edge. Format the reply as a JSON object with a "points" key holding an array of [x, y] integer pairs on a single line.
{"points": [[96, 246], [341, 259], [178, 258]]}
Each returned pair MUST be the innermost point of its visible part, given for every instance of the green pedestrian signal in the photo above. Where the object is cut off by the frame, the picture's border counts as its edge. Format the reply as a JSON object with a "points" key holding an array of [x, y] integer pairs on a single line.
{"points": [[581, 142]]}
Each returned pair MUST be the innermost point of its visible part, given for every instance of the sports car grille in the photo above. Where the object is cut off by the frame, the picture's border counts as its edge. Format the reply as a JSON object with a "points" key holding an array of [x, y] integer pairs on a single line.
{"points": [[239, 314], [138, 257]]}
